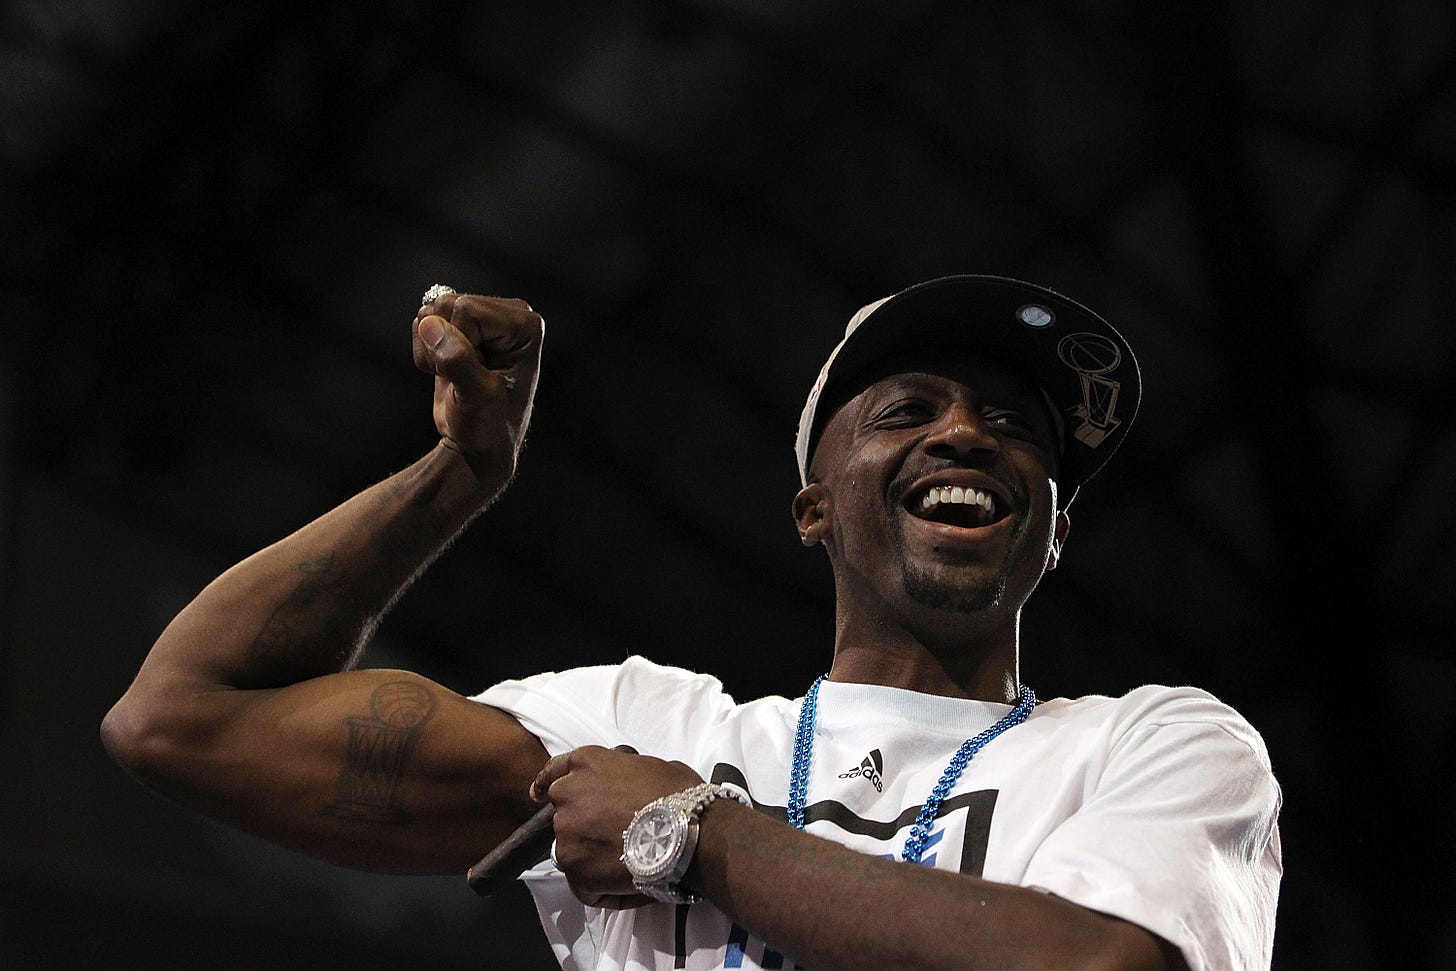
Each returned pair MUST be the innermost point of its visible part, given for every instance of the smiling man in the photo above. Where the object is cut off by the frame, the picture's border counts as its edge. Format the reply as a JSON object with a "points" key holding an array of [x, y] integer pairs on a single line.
{"points": [[951, 477], [917, 808]]}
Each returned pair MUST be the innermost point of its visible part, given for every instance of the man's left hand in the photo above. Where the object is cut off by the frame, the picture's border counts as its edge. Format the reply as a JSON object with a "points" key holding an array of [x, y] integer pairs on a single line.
{"points": [[596, 791]]}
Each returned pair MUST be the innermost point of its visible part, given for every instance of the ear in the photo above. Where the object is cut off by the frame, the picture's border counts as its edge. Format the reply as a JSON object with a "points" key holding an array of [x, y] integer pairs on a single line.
{"points": [[811, 513], [1059, 538]]}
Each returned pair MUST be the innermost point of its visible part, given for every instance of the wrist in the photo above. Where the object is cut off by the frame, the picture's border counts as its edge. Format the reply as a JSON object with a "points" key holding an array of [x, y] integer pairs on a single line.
{"points": [[486, 481], [710, 824]]}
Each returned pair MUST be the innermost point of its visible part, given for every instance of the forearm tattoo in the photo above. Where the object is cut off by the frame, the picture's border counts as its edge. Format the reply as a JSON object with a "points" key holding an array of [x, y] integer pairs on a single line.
{"points": [[378, 752], [317, 603], [325, 620]]}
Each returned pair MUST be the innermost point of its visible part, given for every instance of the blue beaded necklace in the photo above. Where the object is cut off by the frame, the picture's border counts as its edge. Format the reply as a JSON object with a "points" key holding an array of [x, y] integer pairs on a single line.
{"points": [[920, 831]]}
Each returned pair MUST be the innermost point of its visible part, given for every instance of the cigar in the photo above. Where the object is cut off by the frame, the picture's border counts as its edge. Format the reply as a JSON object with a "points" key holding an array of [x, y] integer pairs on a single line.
{"points": [[530, 842]]}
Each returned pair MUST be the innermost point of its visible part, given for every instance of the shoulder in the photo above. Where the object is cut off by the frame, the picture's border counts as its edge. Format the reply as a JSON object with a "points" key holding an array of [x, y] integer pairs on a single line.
{"points": [[634, 674], [648, 673], [1149, 708], [635, 701]]}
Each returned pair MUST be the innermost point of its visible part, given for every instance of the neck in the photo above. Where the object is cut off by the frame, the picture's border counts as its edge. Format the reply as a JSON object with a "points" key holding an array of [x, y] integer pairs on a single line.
{"points": [[967, 658]]}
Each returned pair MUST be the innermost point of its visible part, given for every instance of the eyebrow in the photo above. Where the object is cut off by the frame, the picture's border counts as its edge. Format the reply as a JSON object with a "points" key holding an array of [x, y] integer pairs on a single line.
{"points": [[1013, 393]]}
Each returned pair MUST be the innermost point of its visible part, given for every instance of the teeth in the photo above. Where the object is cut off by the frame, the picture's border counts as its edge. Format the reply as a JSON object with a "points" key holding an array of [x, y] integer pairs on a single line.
{"points": [[943, 495]]}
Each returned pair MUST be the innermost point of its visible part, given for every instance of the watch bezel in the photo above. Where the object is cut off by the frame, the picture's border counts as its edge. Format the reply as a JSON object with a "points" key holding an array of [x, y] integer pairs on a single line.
{"points": [[655, 868]]}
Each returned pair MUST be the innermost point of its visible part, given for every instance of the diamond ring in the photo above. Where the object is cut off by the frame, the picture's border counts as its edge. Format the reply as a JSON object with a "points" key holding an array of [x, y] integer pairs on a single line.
{"points": [[435, 293]]}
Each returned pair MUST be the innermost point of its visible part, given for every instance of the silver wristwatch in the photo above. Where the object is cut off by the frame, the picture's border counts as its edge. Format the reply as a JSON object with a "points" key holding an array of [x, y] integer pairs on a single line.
{"points": [[658, 845]]}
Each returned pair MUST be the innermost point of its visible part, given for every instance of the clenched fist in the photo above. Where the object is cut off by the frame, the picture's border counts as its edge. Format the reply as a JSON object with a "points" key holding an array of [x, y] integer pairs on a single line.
{"points": [[485, 354], [596, 791]]}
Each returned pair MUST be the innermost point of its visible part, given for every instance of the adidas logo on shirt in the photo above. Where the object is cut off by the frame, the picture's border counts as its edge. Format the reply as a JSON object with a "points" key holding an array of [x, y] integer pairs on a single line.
{"points": [[871, 768]]}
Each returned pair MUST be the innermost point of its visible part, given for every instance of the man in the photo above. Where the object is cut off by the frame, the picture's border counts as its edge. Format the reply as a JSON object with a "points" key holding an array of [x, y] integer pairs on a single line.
{"points": [[939, 452]]}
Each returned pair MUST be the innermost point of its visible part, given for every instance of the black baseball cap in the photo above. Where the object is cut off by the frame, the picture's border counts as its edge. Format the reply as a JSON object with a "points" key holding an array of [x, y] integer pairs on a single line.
{"points": [[1081, 363]]}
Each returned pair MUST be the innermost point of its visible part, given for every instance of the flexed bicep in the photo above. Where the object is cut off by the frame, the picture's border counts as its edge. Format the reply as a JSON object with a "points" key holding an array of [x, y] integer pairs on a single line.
{"points": [[376, 770]]}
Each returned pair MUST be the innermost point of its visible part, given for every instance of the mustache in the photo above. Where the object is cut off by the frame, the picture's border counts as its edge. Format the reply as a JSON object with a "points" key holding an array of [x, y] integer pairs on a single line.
{"points": [[895, 494]]}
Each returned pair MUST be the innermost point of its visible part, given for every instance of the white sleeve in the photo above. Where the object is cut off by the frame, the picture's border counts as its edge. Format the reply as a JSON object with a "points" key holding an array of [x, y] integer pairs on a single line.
{"points": [[1180, 836], [653, 708]]}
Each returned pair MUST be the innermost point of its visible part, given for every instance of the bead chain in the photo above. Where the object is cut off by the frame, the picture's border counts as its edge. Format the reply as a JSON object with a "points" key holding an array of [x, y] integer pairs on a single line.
{"points": [[920, 830], [803, 754]]}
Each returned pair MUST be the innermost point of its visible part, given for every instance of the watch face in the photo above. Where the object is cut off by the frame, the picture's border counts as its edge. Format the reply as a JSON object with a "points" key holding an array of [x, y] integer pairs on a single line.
{"points": [[655, 841]]}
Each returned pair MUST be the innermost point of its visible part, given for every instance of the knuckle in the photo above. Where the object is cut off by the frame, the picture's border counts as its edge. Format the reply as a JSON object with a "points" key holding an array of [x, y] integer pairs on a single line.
{"points": [[585, 754], [472, 305], [522, 315]]}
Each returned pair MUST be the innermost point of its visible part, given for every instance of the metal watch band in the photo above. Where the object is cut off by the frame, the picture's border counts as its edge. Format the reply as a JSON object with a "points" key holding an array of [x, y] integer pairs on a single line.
{"points": [[694, 799]]}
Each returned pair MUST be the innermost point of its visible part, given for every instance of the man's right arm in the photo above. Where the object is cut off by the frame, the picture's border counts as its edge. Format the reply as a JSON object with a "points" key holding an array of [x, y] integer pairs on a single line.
{"points": [[246, 708]]}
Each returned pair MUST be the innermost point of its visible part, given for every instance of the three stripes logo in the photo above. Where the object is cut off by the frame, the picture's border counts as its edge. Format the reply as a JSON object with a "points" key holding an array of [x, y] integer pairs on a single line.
{"points": [[872, 768]]}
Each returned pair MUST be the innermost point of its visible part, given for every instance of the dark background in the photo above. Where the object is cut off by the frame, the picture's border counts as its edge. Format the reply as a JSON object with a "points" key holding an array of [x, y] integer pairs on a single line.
{"points": [[217, 221]]}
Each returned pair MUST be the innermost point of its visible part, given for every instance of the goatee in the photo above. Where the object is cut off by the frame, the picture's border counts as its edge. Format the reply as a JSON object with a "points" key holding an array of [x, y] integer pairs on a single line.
{"points": [[942, 594]]}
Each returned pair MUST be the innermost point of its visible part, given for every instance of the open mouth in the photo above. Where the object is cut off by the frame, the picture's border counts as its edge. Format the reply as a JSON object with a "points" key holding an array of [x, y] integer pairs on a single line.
{"points": [[957, 506]]}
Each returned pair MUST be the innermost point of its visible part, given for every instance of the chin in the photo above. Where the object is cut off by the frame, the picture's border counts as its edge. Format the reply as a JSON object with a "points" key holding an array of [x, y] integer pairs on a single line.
{"points": [[942, 592]]}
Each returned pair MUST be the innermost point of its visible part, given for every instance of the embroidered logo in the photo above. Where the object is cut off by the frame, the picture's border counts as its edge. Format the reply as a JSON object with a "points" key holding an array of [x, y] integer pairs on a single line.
{"points": [[872, 768], [1093, 357]]}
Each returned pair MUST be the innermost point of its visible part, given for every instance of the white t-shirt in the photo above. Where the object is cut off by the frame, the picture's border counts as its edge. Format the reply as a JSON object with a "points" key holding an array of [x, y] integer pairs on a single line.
{"points": [[1158, 807]]}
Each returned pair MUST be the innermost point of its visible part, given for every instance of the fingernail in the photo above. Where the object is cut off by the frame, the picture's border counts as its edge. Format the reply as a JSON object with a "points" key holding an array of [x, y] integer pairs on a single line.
{"points": [[432, 331]]}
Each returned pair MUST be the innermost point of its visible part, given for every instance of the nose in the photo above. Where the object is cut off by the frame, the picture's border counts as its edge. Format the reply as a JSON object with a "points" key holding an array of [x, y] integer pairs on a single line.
{"points": [[961, 433]]}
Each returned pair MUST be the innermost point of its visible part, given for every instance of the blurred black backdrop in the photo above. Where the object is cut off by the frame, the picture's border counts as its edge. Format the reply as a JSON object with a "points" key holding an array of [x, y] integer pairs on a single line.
{"points": [[217, 222]]}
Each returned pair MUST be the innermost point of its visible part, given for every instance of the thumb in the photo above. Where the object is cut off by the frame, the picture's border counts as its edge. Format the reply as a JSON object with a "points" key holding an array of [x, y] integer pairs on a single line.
{"points": [[451, 356], [432, 331]]}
